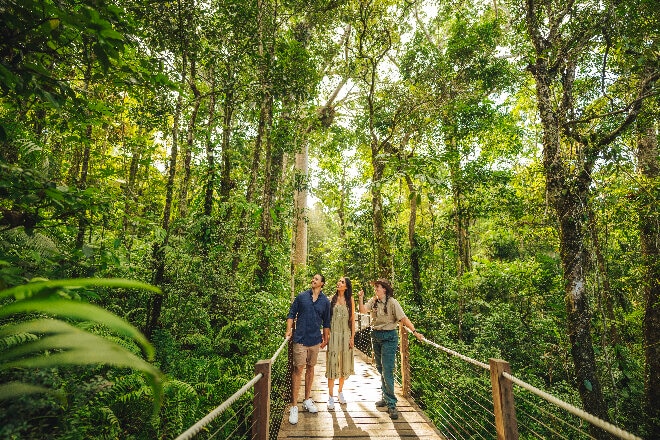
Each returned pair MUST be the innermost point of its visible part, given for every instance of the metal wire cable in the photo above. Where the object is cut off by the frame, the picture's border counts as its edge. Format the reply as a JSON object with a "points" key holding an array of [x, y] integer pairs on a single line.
{"points": [[454, 425], [466, 407], [545, 425], [217, 431], [547, 413], [194, 430], [469, 408], [455, 416], [602, 424], [527, 428], [463, 407]]}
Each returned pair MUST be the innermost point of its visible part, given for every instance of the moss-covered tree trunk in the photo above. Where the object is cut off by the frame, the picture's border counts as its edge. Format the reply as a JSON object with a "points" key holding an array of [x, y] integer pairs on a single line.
{"points": [[649, 221], [567, 191]]}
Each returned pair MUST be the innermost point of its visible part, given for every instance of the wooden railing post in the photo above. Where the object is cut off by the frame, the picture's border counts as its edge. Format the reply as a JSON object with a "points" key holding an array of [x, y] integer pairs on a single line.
{"points": [[261, 416], [504, 406], [405, 360]]}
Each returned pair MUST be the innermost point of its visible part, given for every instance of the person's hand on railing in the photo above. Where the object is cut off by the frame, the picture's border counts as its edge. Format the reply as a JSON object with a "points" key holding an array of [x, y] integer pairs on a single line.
{"points": [[418, 335]]}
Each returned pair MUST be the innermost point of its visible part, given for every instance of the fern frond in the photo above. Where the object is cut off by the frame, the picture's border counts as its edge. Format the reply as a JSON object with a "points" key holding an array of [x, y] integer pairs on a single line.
{"points": [[16, 339], [184, 389], [38, 242]]}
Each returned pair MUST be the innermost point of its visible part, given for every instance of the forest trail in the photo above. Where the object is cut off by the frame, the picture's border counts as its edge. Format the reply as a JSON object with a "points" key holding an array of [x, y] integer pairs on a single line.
{"points": [[359, 418]]}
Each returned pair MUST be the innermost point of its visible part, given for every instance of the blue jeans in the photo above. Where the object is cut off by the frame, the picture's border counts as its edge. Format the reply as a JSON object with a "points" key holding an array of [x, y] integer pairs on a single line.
{"points": [[386, 343]]}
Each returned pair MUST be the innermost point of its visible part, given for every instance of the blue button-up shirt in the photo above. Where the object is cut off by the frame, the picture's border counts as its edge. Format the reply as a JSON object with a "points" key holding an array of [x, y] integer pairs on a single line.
{"points": [[311, 315]]}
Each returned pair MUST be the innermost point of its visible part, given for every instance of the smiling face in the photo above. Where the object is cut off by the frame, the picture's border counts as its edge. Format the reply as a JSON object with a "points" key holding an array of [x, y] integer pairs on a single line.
{"points": [[380, 292], [341, 285], [317, 281]]}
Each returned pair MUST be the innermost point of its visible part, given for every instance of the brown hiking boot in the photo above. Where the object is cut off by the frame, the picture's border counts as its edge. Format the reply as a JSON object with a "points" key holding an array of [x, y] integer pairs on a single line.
{"points": [[394, 414]]}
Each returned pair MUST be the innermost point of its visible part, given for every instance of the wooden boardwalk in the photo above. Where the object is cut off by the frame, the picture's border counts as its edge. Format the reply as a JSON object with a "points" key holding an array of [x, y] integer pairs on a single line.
{"points": [[359, 418]]}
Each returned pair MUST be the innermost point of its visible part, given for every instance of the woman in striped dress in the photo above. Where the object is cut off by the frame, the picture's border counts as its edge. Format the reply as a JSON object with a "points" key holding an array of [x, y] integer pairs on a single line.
{"points": [[339, 363]]}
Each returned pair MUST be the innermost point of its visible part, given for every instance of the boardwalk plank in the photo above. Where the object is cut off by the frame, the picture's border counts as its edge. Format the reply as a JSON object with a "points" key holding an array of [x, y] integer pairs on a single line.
{"points": [[359, 418]]}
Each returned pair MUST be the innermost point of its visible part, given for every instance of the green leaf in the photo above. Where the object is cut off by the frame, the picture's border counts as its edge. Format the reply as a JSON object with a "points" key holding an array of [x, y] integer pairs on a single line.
{"points": [[78, 310], [69, 345], [111, 33], [588, 385], [31, 289], [17, 389]]}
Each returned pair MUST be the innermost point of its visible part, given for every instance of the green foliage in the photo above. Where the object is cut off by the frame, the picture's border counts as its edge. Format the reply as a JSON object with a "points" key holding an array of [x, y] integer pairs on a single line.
{"points": [[95, 95], [51, 343]]}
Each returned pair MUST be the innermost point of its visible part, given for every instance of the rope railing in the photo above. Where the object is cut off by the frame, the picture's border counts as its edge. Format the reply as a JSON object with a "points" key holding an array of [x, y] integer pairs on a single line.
{"points": [[585, 416], [454, 353], [600, 423], [279, 350], [197, 427], [203, 422], [459, 412]]}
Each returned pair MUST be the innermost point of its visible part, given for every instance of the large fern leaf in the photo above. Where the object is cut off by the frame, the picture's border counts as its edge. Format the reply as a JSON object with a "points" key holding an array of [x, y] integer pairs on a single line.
{"points": [[53, 342]]}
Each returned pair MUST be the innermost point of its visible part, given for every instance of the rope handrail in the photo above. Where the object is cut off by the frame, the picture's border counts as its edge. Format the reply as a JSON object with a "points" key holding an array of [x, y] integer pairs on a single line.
{"points": [[197, 427], [455, 353], [194, 430], [600, 423], [279, 350]]}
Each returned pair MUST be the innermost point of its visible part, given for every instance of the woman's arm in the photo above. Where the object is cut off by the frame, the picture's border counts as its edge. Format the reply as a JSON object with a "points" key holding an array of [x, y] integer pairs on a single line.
{"points": [[407, 323]]}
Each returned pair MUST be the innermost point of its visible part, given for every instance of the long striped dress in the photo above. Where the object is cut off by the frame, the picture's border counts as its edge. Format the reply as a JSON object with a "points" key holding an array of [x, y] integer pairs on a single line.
{"points": [[339, 361]]}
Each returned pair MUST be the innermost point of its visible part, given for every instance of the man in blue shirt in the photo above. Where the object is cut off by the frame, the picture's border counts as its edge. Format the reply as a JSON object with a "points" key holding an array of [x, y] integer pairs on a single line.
{"points": [[311, 310]]}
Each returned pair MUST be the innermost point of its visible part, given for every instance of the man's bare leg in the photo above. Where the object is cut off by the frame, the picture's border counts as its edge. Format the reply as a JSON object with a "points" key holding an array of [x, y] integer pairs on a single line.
{"points": [[309, 378], [296, 376]]}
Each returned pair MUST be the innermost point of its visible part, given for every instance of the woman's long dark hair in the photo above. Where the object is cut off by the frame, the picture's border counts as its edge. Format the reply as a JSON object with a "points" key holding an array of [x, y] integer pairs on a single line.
{"points": [[348, 297]]}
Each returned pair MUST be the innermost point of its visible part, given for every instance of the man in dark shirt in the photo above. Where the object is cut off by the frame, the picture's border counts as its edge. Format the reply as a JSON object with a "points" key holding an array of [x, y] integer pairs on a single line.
{"points": [[311, 310]]}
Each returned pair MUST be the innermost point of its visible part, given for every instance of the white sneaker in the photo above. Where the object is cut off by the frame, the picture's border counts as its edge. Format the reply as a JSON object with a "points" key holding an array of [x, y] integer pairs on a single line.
{"points": [[341, 399], [331, 403], [293, 415], [309, 406]]}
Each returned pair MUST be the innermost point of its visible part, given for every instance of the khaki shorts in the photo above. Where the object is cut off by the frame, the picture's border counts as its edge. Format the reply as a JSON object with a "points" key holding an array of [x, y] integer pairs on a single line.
{"points": [[303, 355]]}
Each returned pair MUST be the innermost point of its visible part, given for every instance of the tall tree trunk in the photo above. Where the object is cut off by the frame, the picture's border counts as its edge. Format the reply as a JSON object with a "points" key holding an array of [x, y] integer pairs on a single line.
{"points": [[210, 154], [84, 163], [158, 250], [381, 244], [273, 162], [301, 188], [461, 215], [461, 221], [383, 267], [190, 139], [227, 118], [82, 184], [130, 195], [301, 183], [415, 251], [649, 223], [265, 119], [567, 188]]}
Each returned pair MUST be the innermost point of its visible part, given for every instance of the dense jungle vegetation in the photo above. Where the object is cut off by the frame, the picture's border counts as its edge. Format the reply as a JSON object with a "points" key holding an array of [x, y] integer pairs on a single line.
{"points": [[172, 172]]}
